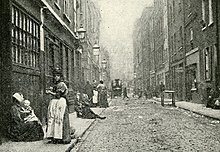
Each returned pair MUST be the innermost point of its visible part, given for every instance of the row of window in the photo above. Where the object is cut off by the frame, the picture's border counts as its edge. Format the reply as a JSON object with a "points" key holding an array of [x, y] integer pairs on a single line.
{"points": [[56, 51], [67, 9], [25, 39], [176, 41], [26, 45]]}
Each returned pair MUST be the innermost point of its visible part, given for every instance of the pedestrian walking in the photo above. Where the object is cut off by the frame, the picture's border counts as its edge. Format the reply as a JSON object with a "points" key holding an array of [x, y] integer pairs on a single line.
{"points": [[139, 93], [162, 88], [125, 94], [58, 125], [102, 95], [145, 94]]}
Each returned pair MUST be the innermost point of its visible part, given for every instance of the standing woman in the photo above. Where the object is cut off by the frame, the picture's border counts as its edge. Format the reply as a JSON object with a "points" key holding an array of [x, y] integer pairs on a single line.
{"points": [[58, 127], [102, 95]]}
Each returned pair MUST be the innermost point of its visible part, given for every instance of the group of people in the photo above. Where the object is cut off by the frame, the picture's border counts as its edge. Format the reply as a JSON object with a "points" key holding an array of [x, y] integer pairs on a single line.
{"points": [[92, 96], [25, 126], [97, 94]]}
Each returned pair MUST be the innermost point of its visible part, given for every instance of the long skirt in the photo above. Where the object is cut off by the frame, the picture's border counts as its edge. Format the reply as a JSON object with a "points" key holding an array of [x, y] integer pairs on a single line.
{"points": [[58, 120], [95, 97], [102, 99], [30, 131]]}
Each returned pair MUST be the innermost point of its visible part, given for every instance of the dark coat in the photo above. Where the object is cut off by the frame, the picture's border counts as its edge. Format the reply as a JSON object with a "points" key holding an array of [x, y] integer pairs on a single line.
{"points": [[88, 89]]}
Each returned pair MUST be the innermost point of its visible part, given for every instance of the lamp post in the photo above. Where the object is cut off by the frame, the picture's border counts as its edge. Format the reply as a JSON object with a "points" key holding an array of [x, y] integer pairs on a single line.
{"points": [[95, 49], [81, 38], [81, 33], [104, 65]]}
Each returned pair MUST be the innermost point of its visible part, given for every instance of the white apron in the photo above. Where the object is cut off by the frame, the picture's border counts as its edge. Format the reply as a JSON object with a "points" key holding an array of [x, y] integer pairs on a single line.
{"points": [[95, 96], [56, 111]]}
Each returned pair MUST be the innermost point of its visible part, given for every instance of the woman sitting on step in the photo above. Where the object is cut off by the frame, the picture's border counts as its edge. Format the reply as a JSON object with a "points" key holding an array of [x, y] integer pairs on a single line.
{"points": [[20, 129], [83, 108]]}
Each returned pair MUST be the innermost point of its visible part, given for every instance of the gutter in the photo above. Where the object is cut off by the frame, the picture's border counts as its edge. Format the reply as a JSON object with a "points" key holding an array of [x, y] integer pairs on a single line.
{"points": [[58, 18]]}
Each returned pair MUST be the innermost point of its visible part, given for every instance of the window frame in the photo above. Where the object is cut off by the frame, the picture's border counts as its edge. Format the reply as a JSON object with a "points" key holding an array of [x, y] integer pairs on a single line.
{"points": [[25, 41], [211, 20]]}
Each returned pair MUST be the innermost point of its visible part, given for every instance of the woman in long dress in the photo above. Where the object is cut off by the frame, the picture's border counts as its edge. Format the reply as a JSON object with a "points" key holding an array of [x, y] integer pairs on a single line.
{"points": [[95, 97], [20, 129], [102, 95], [58, 126]]}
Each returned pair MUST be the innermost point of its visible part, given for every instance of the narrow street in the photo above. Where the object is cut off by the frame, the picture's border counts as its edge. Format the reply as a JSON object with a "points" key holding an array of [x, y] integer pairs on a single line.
{"points": [[140, 125]]}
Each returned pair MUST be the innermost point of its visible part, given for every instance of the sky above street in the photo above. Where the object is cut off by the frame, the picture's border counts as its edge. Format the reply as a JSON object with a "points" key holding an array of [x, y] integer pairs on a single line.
{"points": [[118, 17]]}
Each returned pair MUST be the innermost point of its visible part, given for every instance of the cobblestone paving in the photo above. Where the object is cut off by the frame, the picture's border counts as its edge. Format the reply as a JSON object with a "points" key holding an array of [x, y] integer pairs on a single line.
{"points": [[142, 126]]}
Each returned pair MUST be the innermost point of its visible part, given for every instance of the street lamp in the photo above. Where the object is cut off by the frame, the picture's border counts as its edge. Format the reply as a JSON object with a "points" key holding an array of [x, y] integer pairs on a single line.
{"points": [[135, 75], [104, 64], [81, 33], [95, 49]]}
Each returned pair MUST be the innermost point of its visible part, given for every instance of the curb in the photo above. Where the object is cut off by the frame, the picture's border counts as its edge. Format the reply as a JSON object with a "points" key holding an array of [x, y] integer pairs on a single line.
{"points": [[200, 113], [196, 112], [75, 141]]}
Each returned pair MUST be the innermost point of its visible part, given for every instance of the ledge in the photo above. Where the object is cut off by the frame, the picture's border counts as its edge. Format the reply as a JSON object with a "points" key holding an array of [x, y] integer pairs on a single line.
{"points": [[210, 24], [203, 29], [192, 51], [57, 5], [67, 17]]}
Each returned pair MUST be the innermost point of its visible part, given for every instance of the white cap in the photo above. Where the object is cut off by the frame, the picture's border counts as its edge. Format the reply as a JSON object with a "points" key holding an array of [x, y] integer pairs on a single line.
{"points": [[18, 96]]}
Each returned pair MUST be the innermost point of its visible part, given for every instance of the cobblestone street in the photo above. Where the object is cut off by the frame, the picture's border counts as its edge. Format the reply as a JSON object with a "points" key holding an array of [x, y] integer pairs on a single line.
{"points": [[139, 125]]}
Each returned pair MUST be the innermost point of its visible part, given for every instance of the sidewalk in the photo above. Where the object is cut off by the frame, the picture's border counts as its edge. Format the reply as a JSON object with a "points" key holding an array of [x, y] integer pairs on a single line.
{"points": [[194, 107], [81, 125]]}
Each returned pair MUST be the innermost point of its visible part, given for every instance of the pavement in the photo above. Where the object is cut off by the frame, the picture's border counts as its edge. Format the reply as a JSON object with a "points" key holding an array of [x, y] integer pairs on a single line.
{"points": [[193, 107], [80, 125]]}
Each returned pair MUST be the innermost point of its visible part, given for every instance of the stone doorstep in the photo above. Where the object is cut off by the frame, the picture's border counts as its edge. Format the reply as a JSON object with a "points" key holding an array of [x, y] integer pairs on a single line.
{"points": [[82, 126]]}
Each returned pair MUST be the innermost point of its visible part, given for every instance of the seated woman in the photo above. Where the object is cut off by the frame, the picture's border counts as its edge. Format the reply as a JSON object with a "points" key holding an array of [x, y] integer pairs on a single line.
{"points": [[213, 98], [19, 129], [83, 108]]}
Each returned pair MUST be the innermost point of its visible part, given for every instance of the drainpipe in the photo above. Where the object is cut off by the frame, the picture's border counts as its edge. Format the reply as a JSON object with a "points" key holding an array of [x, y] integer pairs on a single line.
{"points": [[42, 56], [184, 50], [41, 28], [217, 43]]}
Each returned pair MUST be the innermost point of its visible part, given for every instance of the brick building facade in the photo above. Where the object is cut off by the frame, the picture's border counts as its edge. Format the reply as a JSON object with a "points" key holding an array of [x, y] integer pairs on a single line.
{"points": [[192, 34], [36, 37]]}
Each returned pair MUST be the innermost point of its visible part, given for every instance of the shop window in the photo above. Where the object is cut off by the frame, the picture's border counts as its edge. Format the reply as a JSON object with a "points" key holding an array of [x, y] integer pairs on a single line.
{"points": [[25, 40]]}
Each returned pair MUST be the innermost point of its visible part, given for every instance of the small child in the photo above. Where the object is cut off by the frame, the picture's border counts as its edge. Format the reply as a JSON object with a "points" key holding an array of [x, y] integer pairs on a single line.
{"points": [[29, 111]]}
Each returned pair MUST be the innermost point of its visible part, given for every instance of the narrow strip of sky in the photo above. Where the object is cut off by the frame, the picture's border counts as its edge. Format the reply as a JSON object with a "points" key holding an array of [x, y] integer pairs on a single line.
{"points": [[118, 17]]}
